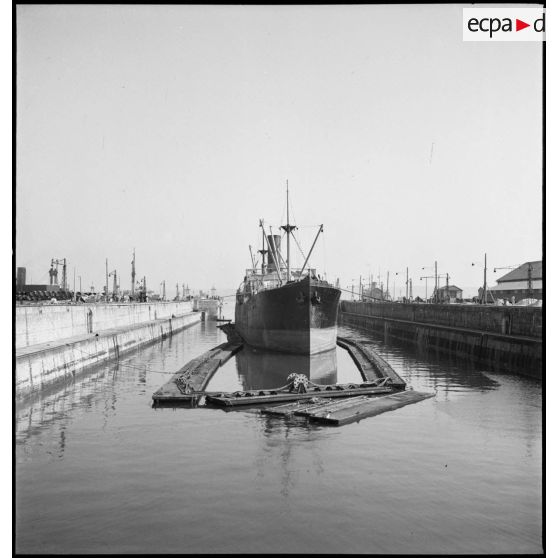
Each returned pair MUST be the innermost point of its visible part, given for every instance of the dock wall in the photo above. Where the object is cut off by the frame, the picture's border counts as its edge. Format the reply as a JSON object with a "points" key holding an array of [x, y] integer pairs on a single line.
{"points": [[47, 366], [37, 324], [503, 338]]}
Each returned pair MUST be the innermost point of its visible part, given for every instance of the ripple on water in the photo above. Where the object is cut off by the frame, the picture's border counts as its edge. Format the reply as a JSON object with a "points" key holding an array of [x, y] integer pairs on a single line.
{"points": [[100, 470]]}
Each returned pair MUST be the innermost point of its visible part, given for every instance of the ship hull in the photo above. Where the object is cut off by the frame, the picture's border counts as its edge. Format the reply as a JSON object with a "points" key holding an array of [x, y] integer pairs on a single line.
{"points": [[299, 317]]}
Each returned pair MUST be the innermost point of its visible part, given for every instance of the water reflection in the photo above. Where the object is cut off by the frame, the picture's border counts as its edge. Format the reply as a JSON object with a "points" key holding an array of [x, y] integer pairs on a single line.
{"points": [[259, 369], [94, 454], [286, 449], [60, 404], [436, 370]]}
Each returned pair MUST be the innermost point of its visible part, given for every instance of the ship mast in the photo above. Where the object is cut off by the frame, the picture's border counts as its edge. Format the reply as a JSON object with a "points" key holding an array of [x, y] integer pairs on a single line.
{"points": [[288, 239], [288, 228]]}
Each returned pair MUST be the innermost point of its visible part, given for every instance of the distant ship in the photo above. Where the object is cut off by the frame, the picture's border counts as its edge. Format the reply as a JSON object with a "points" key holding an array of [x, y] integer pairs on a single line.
{"points": [[284, 309]]}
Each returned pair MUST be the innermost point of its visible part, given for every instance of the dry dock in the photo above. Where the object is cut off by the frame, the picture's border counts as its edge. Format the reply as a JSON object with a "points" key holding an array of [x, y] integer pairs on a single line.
{"points": [[382, 388], [54, 343], [188, 384], [502, 338]]}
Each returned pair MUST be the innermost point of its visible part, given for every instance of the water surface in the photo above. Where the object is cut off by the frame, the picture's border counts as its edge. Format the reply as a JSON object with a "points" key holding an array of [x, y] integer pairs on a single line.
{"points": [[99, 470]]}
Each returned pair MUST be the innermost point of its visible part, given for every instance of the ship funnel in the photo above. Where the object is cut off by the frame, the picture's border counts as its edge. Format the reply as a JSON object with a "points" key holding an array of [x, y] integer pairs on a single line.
{"points": [[275, 245]]}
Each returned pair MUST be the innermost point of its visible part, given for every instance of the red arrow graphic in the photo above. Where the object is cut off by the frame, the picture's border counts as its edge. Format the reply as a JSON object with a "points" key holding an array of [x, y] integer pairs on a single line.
{"points": [[519, 25]]}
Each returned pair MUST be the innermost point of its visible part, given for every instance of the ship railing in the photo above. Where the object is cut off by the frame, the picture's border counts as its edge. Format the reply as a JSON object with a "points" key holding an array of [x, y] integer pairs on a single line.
{"points": [[295, 273]]}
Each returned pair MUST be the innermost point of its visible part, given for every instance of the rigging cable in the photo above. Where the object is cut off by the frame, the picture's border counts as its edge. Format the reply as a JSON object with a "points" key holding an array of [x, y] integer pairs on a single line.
{"points": [[324, 253]]}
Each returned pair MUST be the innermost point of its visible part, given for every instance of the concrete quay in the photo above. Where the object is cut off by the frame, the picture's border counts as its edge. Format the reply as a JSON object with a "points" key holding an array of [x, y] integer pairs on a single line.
{"points": [[35, 324], [503, 338], [60, 358]]}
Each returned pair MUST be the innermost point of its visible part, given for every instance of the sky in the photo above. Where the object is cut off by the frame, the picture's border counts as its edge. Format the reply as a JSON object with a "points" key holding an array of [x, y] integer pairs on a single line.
{"points": [[173, 130]]}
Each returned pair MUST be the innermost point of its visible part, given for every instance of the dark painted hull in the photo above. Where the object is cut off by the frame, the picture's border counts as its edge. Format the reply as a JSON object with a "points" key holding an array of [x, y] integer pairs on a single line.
{"points": [[299, 317]]}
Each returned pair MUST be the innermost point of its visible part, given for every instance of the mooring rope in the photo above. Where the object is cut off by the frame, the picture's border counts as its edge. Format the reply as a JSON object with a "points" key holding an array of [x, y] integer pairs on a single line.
{"points": [[118, 363]]}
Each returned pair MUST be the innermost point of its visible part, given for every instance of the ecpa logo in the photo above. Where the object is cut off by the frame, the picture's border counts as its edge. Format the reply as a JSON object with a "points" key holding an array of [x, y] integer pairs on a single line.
{"points": [[503, 24]]}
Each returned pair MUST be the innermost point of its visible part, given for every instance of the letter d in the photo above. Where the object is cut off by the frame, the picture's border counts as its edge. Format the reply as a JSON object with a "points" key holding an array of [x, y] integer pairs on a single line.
{"points": [[538, 26]]}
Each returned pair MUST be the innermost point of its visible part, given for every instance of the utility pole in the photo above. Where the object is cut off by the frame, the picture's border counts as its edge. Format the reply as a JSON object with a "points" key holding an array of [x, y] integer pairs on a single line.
{"points": [[436, 281], [75, 283], [360, 288], [387, 285], [106, 278], [447, 287], [530, 279], [484, 298], [133, 272], [407, 283]]}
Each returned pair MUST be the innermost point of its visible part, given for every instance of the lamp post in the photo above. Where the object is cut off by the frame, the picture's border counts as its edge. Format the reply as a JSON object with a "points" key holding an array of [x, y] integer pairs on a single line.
{"points": [[360, 288], [406, 281], [352, 289], [106, 279], [426, 290], [484, 297], [435, 276]]}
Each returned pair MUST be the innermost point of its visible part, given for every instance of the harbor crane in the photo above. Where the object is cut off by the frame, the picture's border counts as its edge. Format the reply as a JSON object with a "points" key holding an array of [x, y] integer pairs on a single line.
{"points": [[54, 272], [114, 284], [133, 273], [435, 296]]}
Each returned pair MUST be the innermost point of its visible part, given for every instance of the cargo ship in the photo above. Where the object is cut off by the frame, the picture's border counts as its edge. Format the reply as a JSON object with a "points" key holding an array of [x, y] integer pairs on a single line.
{"points": [[284, 309]]}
